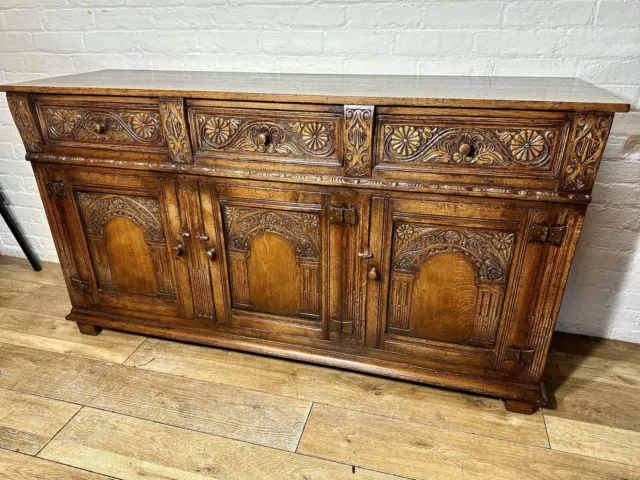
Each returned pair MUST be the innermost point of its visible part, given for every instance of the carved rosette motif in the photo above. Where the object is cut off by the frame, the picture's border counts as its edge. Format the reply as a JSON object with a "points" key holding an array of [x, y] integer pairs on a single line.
{"points": [[302, 230], [358, 130], [141, 127], [99, 208], [282, 137], [24, 120], [489, 251], [468, 146], [175, 129], [590, 133]]}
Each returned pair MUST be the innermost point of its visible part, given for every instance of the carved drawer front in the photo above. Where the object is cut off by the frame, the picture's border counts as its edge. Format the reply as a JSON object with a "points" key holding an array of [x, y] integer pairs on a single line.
{"points": [[118, 124], [496, 145], [307, 137], [449, 275]]}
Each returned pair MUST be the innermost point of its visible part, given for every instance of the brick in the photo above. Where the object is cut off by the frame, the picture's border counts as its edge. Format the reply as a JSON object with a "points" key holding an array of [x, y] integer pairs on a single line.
{"points": [[381, 64], [604, 43], [291, 42], [22, 20], [182, 18], [115, 42], [371, 15], [67, 19], [461, 14], [434, 43], [167, 42], [48, 63], [238, 18], [500, 43], [617, 13], [298, 64], [362, 41], [309, 17], [624, 72], [548, 14], [15, 42], [58, 42], [225, 41], [124, 19]]}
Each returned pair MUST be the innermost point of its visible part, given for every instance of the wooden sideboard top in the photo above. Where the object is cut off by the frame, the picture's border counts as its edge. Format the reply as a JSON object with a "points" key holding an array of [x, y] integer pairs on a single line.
{"points": [[534, 93]]}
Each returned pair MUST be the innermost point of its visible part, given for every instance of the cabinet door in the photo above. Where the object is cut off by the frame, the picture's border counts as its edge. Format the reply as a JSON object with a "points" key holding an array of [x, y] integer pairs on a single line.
{"points": [[281, 258], [449, 275], [120, 244]]}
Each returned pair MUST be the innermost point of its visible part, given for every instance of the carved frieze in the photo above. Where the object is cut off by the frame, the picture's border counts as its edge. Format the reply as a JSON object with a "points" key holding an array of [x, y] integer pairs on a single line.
{"points": [[590, 133], [108, 126], [302, 230], [489, 251], [25, 121], [358, 130], [529, 148], [314, 138], [98, 208], [175, 129]]}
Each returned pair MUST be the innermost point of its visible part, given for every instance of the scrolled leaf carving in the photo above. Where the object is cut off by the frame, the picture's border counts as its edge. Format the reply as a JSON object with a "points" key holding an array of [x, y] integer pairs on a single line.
{"points": [[175, 129], [489, 251], [590, 133], [98, 208], [25, 121], [529, 148], [314, 138], [358, 140], [302, 230]]}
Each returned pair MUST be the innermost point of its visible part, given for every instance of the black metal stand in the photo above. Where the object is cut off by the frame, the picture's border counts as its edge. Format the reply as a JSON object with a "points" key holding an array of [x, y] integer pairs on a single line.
{"points": [[17, 233]]}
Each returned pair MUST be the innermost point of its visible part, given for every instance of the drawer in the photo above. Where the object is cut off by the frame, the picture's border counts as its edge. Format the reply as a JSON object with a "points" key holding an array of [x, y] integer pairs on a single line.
{"points": [[476, 143], [131, 124], [279, 134]]}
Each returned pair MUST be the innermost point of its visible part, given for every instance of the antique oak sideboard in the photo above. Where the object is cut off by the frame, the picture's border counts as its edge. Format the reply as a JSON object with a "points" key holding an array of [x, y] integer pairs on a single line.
{"points": [[420, 228]]}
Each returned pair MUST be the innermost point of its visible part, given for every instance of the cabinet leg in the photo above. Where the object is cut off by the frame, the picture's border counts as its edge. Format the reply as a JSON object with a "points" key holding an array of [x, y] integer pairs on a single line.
{"points": [[521, 407], [87, 329]]}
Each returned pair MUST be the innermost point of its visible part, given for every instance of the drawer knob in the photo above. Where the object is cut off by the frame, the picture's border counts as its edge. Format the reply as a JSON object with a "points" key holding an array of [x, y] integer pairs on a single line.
{"points": [[99, 127], [211, 254], [178, 250], [262, 139], [464, 149], [372, 274]]}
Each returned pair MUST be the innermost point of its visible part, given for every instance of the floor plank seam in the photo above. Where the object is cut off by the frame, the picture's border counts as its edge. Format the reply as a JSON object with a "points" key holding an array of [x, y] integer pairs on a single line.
{"points": [[134, 351], [546, 430], [59, 430], [306, 420]]}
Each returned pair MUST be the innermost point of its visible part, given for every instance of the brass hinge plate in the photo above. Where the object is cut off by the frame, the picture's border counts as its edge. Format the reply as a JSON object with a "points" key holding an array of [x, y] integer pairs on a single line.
{"points": [[520, 355], [342, 215], [55, 189], [546, 234], [82, 285]]}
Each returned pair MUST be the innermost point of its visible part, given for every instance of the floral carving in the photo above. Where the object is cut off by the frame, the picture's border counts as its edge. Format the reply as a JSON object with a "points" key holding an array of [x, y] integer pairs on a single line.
{"points": [[175, 129], [590, 135], [315, 135], [302, 230], [272, 136], [80, 124], [357, 140], [468, 145], [489, 251], [98, 208], [23, 116]]}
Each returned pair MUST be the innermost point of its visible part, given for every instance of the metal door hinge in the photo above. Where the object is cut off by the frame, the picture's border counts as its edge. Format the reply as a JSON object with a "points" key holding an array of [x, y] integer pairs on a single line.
{"points": [[55, 189], [342, 215], [546, 234], [340, 327], [82, 285], [520, 355]]}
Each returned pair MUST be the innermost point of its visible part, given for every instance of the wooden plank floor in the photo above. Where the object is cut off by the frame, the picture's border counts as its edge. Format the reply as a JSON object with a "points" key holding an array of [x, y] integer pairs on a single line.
{"points": [[129, 407]]}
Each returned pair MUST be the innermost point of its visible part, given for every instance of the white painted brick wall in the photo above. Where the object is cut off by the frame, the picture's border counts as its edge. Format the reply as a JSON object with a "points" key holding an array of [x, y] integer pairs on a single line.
{"points": [[596, 40]]}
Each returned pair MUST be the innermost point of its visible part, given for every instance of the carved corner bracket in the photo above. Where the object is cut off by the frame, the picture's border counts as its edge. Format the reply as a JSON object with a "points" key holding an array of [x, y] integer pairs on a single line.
{"points": [[587, 142], [358, 140], [174, 124], [23, 115]]}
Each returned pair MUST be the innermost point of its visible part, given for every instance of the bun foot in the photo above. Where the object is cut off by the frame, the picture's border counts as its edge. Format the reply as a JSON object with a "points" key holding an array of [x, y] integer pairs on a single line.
{"points": [[87, 329], [521, 407]]}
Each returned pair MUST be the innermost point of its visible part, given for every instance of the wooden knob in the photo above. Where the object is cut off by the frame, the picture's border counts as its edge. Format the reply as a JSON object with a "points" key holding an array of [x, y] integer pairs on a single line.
{"points": [[99, 127], [464, 149], [372, 273], [203, 238], [211, 253], [178, 250], [262, 139]]}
